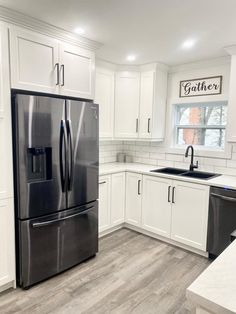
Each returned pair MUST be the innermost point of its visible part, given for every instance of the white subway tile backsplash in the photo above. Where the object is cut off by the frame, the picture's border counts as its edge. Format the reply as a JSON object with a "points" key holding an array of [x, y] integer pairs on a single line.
{"points": [[165, 163], [173, 157], [155, 154], [231, 163]]}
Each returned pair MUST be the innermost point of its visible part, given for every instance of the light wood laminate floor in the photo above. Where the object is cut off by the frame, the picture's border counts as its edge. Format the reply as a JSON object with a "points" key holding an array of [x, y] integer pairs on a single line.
{"points": [[132, 273]]}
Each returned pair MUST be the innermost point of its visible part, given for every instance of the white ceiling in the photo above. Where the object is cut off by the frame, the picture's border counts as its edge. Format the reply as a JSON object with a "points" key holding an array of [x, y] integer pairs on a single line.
{"points": [[154, 30]]}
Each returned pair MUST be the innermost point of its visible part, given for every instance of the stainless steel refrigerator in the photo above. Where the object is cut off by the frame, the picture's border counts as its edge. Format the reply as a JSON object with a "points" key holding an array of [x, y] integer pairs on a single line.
{"points": [[56, 184]]}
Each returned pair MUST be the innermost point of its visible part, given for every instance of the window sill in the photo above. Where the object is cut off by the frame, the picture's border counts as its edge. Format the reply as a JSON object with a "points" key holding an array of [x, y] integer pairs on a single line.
{"points": [[203, 152]]}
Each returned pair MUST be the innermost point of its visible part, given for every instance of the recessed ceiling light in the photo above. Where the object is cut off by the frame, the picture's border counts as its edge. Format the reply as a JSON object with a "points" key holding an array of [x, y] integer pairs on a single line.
{"points": [[189, 43], [79, 30], [131, 58]]}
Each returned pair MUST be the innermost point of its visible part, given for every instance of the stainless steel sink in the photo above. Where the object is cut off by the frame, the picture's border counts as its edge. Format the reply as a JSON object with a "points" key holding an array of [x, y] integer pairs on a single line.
{"points": [[169, 170], [185, 173], [200, 175]]}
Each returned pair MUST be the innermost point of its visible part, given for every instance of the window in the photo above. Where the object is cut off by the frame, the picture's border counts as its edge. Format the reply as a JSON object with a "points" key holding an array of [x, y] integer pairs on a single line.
{"points": [[201, 124]]}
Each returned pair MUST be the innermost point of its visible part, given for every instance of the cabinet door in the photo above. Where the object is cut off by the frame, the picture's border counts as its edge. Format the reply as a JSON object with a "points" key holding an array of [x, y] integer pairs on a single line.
{"points": [[6, 181], [104, 203], [146, 103], [133, 207], [117, 198], [127, 104], [7, 238], [76, 71], [190, 214], [34, 60], [156, 205], [104, 96]]}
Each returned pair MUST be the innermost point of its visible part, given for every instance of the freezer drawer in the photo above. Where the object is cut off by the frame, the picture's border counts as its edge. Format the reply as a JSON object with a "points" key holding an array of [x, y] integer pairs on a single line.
{"points": [[56, 242]]}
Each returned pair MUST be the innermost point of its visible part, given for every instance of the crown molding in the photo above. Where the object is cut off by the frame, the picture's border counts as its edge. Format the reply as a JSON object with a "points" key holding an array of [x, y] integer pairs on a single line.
{"points": [[201, 64], [22, 20]]}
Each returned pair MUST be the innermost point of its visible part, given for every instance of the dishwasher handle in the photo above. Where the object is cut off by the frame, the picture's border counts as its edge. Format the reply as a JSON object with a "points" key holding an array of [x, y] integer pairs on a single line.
{"points": [[224, 198]]}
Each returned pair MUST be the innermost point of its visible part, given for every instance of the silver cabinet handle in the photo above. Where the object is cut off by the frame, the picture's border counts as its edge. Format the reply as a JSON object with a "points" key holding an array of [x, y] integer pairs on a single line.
{"points": [[149, 120], [102, 182], [58, 74], [139, 187], [169, 187], [173, 195], [63, 74], [137, 125]]}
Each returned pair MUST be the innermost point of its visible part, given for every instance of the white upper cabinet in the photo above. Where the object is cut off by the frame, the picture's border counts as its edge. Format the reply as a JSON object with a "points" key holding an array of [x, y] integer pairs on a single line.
{"points": [[127, 104], [140, 104], [156, 205], [231, 125], [43, 64], [147, 83], [104, 96], [190, 214], [76, 71], [153, 93], [34, 61]]}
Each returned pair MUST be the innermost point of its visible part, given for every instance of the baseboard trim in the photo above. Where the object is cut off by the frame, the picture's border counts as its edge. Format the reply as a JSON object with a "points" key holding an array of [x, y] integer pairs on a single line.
{"points": [[110, 230], [153, 235], [9, 285]]}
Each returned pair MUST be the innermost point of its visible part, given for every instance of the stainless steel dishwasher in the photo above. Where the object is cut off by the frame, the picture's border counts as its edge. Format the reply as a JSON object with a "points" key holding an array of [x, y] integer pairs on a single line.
{"points": [[221, 220]]}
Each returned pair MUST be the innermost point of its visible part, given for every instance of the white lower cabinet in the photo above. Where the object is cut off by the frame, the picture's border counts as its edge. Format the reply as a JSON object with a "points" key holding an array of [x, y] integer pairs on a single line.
{"points": [[156, 205], [133, 206], [7, 240], [104, 203], [111, 201], [190, 214], [173, 209], [117, 198]]}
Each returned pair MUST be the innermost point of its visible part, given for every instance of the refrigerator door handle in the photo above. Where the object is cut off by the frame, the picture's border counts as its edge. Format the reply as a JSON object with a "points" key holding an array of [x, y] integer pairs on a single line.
{"points": [[51, 222], [63, 151], [71, 158]]}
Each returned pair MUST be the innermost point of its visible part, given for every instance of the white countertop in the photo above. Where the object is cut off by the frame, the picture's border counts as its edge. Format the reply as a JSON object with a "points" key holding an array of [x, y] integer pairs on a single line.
{"points": [[109, 168], [215, 288]]}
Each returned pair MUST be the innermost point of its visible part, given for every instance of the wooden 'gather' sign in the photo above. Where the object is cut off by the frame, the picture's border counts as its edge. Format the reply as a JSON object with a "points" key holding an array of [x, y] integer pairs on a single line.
{"points": [[201, 87]]}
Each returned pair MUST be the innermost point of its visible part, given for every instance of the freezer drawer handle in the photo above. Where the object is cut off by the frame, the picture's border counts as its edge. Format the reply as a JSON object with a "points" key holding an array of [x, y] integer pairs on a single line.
{"points": [[224, 198], [50, 222]]}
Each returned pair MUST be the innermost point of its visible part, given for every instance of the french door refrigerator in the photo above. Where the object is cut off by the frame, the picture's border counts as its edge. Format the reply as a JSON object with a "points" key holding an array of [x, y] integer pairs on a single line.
{"points": [[56, 184]]}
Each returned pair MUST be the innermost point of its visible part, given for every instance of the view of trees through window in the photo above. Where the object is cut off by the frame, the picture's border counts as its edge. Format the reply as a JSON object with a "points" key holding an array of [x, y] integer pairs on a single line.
{"points": [[201, 124]]}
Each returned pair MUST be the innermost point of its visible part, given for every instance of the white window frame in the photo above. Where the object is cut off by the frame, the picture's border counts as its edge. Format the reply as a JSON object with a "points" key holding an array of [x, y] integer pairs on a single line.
{"points": [[200, 151], [198, 126]]}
